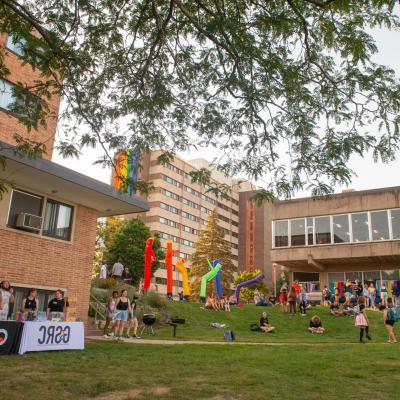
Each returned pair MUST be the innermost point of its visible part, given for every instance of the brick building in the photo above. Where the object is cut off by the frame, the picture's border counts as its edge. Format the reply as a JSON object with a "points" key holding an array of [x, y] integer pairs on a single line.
{"points": [[48, 216]]}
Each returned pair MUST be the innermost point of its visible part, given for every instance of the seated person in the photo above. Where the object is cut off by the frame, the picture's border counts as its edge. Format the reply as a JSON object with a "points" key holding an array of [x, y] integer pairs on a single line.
{"points": [[210, 303], [227, 306], [232, 300], [257, 297], [316, 325], [348, 310], [335, 309], [264, 325], [57, 305], [272, 299]]}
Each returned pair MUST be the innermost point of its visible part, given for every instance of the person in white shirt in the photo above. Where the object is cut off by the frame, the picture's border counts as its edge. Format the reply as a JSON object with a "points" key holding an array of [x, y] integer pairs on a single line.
{"points": [[103, 272], [117, 269]]}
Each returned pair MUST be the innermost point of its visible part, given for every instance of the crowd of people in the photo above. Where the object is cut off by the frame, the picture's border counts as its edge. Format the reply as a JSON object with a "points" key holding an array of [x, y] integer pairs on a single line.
{"points": [[29, 308], [121, 313]]}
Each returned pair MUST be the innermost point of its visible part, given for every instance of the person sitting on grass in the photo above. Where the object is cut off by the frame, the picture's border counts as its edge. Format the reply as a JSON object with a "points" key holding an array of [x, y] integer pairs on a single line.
{"points": [[264, 325], [335, 309], [210, 303], [316, 325], [227, 306]]}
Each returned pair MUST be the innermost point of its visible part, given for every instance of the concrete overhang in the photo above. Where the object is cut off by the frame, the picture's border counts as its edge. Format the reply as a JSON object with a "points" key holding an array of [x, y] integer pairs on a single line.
{"points": [[52, 179]]}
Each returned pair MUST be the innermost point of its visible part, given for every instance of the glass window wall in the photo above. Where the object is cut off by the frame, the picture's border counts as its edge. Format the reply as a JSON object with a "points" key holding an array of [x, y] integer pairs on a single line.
{"points": [[360, 227], [281, 234], [395, 220], [297, 232], [380, 225], [323, 230], [341, 229]]}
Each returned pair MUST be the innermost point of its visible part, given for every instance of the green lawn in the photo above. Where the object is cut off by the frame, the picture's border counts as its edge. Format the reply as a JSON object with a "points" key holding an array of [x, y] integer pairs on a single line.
{"points": [[288, 328], [332, 368]]}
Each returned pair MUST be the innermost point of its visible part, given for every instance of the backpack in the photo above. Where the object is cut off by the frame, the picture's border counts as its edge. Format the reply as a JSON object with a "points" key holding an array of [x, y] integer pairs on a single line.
{"points": [[229, 336], [393, 314], [254, 328]]}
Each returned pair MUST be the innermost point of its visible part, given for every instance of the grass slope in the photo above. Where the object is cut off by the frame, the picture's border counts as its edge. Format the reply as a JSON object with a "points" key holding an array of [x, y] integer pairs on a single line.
{"points": [[120, 371], [288, 328]]}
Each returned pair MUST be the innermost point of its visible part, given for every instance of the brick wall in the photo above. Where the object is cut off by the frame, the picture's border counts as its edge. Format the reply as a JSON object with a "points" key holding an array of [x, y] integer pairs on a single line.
{"points": [[38, 261], [9, 124]]}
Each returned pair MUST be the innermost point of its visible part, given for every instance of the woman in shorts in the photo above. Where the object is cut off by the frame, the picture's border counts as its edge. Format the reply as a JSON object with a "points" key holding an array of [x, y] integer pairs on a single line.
{"points": [[389, 318], [123, 310], [111, 311]]}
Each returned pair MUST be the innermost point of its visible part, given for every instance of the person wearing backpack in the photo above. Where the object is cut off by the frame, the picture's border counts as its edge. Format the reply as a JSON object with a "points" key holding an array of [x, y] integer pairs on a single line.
{"points": [[389, 318], [362, 319]]}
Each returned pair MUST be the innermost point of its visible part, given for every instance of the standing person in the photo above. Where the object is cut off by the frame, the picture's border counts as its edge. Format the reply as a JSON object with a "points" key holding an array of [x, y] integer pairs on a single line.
{"points": [[362, 320], [283, 297], [348, 291], [372, 295], [133, 322], [292, 299], [124, 309], [297, 287], [6, 299], [30, 305], [264, 324], [303, 301], [103, 272], [127, 276], [384, 294], [57, 305], [111, 312], [389, 318], [117, 270], [365, 294], [326, 296], [336, 295]]}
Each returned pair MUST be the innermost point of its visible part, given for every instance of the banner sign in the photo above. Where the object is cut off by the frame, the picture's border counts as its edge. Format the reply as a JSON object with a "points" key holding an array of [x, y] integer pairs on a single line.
{"points": [[10, 337], [44, 336]]}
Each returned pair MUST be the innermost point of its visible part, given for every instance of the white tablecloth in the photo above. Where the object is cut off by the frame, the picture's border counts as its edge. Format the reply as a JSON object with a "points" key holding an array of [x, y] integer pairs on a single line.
{"points": [[48, 335]]}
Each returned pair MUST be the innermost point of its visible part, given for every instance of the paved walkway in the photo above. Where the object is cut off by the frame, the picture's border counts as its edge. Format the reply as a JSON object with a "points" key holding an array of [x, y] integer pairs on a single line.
{"points": [[202, 342]]}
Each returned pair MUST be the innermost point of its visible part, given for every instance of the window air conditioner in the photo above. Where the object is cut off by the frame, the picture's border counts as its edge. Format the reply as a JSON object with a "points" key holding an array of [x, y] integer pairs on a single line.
{"points": [[29, 221]]}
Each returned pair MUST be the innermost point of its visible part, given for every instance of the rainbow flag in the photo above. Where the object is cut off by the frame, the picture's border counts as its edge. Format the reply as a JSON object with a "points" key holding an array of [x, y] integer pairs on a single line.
{"points": [[126, 171]]}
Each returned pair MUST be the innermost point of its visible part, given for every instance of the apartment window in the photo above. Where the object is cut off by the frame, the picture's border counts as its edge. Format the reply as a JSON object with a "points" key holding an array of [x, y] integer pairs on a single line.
{"points": [[189, 216], [175, 169], [190, 203], [281, 235], [23, 104], [235, 235], [188, 229], [234, 246], [379, 225], [168, 222], [205, 210], [168, 236], [203, 221], [170, 194], [234, 223], [192, 191], [169, 208], [360, 226], [187, 243], [171, 181], [297, 232], [223, 206], [208, 198], [161, 281], [57, 220], [234, 212], [341, 230], [323, 230], [185, 255], [23, 202], [395, 220]]}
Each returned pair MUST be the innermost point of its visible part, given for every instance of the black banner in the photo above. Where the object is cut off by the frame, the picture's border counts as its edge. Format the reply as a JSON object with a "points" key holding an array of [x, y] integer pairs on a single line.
{"points": [[10, 336]]}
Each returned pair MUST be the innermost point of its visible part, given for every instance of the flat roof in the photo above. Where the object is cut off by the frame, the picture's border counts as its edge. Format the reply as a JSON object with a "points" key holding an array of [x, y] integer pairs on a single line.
{"points": [[333, 195], [48, 177]]}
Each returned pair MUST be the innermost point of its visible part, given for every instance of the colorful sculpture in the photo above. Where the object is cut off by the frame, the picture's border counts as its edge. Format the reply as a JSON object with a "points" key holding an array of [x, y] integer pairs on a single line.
{"points": [[217, 277], [208, 277], [168, 264], [250, 282], [180, 265], [149, 259]]}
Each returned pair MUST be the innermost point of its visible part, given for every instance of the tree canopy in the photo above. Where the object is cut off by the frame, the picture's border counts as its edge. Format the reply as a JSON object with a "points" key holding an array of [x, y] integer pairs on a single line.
{"points": [[128, 245], [284, 89]]}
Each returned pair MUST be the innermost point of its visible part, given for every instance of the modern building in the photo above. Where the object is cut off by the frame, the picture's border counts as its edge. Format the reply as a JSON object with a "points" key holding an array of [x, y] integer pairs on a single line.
{"points": [[351, 235], [49, 214], [179, 209]]}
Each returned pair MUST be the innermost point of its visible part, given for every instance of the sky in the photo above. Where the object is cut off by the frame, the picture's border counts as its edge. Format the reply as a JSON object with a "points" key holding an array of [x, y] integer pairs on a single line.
{"points": [[369, 175]]}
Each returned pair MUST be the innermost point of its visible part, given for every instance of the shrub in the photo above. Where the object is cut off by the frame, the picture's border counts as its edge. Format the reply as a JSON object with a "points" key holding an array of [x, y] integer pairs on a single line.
{"points": [[154, 300]]}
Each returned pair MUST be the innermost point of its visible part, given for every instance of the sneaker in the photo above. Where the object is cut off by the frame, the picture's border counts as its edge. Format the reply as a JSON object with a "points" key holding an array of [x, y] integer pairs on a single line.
{"points": [[135, 337]]}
